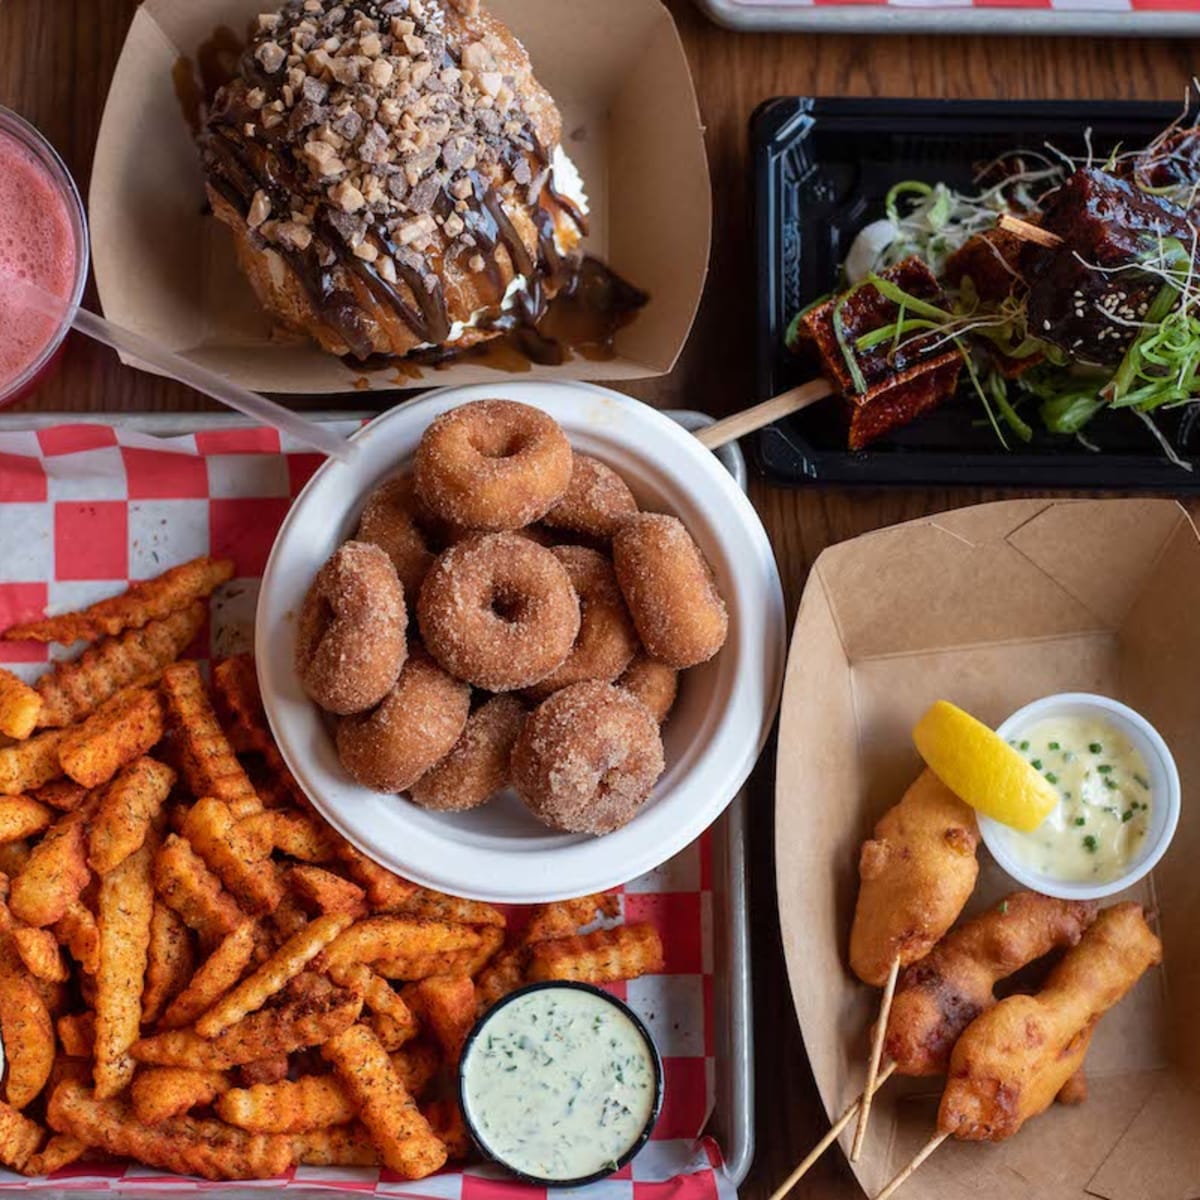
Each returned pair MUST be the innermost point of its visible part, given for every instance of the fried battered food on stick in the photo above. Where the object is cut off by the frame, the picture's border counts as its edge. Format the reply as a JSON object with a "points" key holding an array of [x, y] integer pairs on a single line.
{"points": [[138, 605]]}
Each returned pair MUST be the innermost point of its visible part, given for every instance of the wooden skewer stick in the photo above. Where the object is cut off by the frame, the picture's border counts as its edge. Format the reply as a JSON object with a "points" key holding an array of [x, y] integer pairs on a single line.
{"points": [[1028, 232], [885, 1011], [929, 1147], [748, 420], [828, 1140]]}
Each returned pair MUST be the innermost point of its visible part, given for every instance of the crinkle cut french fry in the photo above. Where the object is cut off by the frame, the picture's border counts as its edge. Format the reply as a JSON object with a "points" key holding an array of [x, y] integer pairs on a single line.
{"points": [[77, 1034], [446, 1005], [76, 930], [60, 1151], [454, 962], [401, 1134], [425, 902], [504, 974], [446, 1120], [310, 1102], [293, 833], [292, 1026], [240, 862], [138, 605], [28, 1032], [185, 884], [39, 953], [337, 1146], [215, 976], [120, 730], [57, 870], [388, 937], [160, 1093], [129, 804], [20, 706], [209, 764], [170, 962], [22, 817], [326, 891], [385, 890], [19, 1138], [600, 957], [29, 764], [567, 917], [64, 794], [13, 857], [126, 907], [75, 688], [393, 1021], [286, 963], [273, 1069], [185, 1145]]}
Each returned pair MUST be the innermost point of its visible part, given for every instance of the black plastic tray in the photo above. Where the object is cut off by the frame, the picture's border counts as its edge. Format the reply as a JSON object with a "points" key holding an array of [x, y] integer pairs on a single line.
{"points": [[822, 169]]}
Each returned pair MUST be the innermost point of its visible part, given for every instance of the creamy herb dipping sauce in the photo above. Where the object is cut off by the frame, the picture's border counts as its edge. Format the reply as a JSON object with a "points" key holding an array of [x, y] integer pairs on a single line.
{"points": [[559, 1083], [1104, 792]]}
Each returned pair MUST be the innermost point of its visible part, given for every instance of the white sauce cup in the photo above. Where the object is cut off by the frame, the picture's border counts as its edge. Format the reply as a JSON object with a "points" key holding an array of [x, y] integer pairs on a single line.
{"points": [[1164, 790]]}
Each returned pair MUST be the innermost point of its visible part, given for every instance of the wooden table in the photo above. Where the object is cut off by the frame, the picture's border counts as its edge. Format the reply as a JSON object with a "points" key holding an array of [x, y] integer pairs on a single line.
{"points": [[56, 60]]}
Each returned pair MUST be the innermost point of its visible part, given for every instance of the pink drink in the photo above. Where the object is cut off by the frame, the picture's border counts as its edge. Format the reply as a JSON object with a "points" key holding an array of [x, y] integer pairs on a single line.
{"points": [[42, 241]]}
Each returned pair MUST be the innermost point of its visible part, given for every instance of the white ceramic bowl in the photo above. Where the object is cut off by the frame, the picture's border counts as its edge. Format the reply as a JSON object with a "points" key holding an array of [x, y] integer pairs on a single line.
{"points": [[712, 737], [1164, 788]]}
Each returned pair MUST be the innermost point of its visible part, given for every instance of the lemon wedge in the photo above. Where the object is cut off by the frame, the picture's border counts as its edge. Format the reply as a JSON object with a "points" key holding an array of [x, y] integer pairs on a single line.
{"points": [[981, 768]]}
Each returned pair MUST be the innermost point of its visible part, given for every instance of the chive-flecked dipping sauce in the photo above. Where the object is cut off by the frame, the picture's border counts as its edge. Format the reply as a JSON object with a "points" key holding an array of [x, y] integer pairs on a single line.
{"points": [[1105, 798], [559, 1084]]}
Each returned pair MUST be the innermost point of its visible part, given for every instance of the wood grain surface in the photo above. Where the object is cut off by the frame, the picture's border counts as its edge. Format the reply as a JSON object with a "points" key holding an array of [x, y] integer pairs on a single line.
{"points": [[56, 60]]}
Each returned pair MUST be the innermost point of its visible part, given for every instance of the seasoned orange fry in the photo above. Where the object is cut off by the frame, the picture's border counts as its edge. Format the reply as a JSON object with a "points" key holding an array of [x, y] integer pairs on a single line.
{"points": [[401, 1134], [219, 972], [455, 962], [188, 1146], [504, 974], [169, 962], [160, 1093], [186, 885], [119, 731], [417, 1064], [209, 764], [74, 689], [29, 764], [601, 957], [385, 890], [60, 1151], [293, 833], [393, 1021], [425, 902], [77, 1033], [39, 952], [446, 1004], [292, 1026], [139, 604], [327, 891], [19, 1138], [311, 1102], [64, 794], [56, 872], [567, 917], [13, 857], [397, 937], [126, 907], [20, 706], [76, 929], [130, 803], [337, 1146], [264, 1070], [22, 817], [446, 1120], [242, 864], [286, 963], [28, 1033]]}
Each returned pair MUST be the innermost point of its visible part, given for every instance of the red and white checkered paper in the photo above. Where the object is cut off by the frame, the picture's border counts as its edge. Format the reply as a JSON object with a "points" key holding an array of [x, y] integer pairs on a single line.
{"points": [[86, 508]]}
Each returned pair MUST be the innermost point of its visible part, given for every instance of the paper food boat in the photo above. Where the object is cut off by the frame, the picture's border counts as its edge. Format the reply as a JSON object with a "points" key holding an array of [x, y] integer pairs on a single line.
{"points": [[991, 607], [630, 121]]}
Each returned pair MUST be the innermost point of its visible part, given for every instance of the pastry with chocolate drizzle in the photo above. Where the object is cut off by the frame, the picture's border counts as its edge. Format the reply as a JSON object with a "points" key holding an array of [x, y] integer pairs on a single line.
{"points": [[391, 171]]}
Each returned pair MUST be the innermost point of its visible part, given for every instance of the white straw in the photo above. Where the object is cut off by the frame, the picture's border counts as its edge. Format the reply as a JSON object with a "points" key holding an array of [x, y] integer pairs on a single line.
{"points": [[310, 433]]}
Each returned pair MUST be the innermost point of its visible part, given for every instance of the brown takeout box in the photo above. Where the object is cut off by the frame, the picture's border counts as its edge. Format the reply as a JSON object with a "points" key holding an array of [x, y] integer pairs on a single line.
{"points": [[630, 121], [992, 607]]}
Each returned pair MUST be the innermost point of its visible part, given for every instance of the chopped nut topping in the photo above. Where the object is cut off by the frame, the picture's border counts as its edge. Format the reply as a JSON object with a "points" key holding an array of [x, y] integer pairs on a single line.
{"points": [[260, 209], [347, 197], [476, 263], [366, 251], [271, 57]]}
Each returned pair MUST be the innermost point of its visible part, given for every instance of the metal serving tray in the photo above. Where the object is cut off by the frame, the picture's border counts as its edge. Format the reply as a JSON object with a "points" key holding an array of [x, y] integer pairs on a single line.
{"points": [[732, 1119], [913, 16]]}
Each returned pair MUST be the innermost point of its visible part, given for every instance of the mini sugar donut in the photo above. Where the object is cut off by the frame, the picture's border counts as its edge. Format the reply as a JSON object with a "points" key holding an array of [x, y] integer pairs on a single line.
{"points": [[415, 725], [587, 758], [670, 590], [653, 683], [393, 521], [607, 642], [498, 611], [492, 465], [596, 502], [350, 637], [477, 768]]}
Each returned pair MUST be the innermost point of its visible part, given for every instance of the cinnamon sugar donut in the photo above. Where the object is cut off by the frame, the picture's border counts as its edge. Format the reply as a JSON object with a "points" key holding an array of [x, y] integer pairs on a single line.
{"points": [[416, 725], [350, 637], [596, 501], [477, 768], [587, 758], [670, 590], [606, 643], [498, 611], [393, 521], [653, 683], [492, 465]]}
